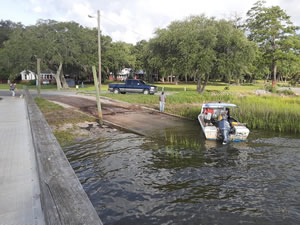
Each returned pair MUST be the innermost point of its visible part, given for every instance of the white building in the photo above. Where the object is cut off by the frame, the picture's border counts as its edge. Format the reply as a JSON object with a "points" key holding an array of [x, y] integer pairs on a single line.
{"points": [[124, 74], [27, 75]]}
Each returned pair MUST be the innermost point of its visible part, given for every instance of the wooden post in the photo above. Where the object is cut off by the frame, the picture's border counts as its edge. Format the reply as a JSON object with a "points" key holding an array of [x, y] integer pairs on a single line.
{"points": [[97, 95], [38, 61], [99, 49]]}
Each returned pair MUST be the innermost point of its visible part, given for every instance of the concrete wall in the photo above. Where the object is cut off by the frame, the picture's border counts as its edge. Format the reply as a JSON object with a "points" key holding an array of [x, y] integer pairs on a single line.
{"points": [[64, 202]]}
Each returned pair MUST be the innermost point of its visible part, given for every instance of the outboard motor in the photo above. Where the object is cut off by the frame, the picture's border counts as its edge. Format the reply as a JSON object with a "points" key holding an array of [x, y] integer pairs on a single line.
{"points": [[225, 129]]}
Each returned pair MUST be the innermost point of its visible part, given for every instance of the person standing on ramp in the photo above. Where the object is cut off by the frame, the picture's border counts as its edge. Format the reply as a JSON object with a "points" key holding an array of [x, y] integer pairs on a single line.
{"points": [[162, 101]]}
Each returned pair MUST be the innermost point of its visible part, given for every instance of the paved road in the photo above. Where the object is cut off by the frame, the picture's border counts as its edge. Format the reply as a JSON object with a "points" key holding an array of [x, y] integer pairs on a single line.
{"points": [[295, 90], [19, 186]]}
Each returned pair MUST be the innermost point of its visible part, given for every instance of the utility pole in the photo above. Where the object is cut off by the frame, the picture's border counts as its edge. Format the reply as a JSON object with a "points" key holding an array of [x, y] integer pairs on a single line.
{"points": [[97, 96], [38, 62], [99, 50]]}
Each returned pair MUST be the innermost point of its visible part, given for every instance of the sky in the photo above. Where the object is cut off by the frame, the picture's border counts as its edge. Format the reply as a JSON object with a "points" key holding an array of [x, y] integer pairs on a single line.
{"points": [[132, 20]]}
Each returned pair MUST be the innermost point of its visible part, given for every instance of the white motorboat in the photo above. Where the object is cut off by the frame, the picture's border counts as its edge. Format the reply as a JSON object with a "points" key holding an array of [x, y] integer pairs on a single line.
{"points": [[217, 124]]}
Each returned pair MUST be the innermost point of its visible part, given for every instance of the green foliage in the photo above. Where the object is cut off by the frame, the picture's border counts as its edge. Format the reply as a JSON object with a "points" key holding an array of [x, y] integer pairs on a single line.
{"points": [[6, 28], [235, 54], [61, 42], [118, 56], [279, 43], [201, 48]]}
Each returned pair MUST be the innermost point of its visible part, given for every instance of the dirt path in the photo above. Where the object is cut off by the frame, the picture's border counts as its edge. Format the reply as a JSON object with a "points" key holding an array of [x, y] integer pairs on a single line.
{"points": [[133, 117]]}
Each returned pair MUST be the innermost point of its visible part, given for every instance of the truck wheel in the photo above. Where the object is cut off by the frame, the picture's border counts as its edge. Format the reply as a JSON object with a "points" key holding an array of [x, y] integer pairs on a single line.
{"points": [[146, 91], [116, 91], [123, 92]]}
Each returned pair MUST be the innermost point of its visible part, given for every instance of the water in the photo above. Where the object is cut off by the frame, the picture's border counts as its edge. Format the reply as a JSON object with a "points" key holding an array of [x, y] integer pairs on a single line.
{"points": [[183, 179]]}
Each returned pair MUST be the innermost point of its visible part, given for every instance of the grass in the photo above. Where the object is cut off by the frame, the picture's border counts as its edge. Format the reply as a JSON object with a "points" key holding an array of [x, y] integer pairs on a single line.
{"points": [[64, 137], [213, 87], [46, 106], [57, 116], [270, 112], [88, 87]]}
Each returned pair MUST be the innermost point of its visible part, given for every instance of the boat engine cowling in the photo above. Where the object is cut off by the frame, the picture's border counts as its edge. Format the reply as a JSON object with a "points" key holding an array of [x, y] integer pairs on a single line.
{"points": [[225, 129]]}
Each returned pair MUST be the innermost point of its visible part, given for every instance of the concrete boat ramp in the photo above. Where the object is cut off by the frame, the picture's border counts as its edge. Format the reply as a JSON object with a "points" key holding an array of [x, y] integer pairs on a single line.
{"points": [[37, 184], [131, 117]]}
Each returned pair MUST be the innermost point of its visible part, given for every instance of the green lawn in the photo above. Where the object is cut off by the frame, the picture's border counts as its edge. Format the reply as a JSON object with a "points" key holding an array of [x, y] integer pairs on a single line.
{"points": [[217, 86]]}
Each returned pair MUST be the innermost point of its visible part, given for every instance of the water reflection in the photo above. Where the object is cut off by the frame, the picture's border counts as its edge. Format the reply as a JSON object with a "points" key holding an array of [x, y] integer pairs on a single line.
{"points": [[175, 179]]}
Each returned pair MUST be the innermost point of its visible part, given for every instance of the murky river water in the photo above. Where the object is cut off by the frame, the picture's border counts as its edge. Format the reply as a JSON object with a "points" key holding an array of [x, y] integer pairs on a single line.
{"points": [[179, 178]]}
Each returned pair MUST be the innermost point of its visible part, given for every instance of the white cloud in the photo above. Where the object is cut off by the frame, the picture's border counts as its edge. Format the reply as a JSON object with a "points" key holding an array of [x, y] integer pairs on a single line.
{"points": [[134, 20], [37, 9]]}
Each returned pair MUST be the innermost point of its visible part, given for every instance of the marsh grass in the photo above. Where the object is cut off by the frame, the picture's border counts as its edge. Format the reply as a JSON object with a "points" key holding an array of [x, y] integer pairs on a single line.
{"points": [[64, 137], [270, 112], [181, 141]]}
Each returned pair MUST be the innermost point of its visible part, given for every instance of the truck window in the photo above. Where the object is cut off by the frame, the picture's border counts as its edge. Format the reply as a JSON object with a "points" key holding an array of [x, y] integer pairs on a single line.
{"points": [[129, 82], [134, 82], [142, 82]]}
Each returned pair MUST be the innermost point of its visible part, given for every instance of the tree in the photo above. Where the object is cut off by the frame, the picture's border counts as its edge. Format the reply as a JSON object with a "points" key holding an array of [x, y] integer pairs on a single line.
{"points": [[118, 56], [202, 48], [18, 53], [272, 29], [234, 53], [138, 51], [6, 29], [62, 47], [185, 48]]}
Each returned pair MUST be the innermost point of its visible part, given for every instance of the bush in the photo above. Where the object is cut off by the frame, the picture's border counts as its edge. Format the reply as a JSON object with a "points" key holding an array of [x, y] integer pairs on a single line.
{"points": [[271, 89], [285, 92], [32, 82]]}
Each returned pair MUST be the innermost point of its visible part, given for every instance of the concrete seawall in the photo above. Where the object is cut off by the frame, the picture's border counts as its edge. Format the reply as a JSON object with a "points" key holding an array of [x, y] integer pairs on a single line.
{"points": [[63, 200]]}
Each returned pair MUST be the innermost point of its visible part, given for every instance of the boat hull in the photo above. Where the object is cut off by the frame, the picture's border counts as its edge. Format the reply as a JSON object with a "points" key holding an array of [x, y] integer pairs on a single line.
{"points": [[212, 133]]}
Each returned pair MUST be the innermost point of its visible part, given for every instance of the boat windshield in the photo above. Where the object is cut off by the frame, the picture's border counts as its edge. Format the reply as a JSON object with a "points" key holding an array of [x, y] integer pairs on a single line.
{"points": [[219, 105]]}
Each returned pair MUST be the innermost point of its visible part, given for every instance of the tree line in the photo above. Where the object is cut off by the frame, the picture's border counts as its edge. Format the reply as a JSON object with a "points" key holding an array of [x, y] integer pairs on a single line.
{"points": [[198, 48]]}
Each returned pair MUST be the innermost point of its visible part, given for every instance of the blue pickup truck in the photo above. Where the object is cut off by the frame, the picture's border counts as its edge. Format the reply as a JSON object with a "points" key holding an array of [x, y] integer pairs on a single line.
{"points": [[133, 86]]}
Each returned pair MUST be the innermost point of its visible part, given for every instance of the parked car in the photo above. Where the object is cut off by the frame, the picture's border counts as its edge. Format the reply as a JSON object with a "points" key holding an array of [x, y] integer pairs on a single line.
{"points": [[45, 82], [133, 86]]}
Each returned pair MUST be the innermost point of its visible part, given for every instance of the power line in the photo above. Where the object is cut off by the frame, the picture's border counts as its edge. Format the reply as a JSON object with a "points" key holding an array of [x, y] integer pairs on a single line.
{"points": [[122, 25]]}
